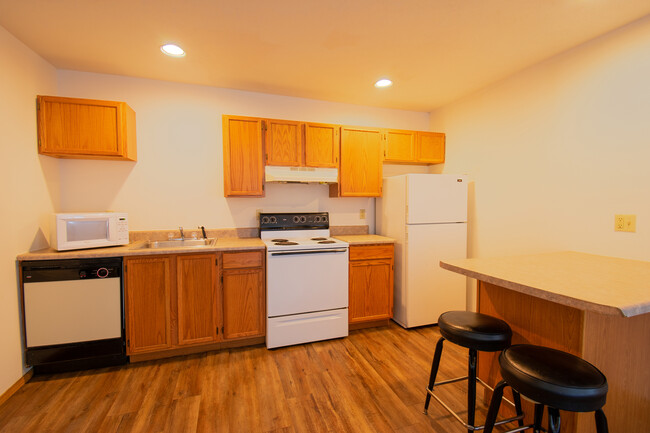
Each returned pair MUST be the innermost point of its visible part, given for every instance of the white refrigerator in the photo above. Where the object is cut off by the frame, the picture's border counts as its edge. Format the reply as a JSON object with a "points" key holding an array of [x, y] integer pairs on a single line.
{"points": [[426, 214]]}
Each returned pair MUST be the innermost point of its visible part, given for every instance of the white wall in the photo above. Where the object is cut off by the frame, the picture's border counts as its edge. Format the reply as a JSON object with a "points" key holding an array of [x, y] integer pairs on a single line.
{"points": [[556, 150], [29, 186], [178, 179]]}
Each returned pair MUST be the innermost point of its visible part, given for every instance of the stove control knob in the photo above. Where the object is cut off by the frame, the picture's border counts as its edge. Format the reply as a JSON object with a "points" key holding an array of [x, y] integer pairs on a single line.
{"points": [[102, 272], [273, 220], [317, 219], [296, 219], [303, 219], [324, 219], [265, 220]]}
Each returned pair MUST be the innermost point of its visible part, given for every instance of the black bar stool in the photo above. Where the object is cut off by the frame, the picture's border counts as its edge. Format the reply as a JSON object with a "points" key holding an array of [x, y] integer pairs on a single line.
{"points": [[475, 331], [550, 378]]}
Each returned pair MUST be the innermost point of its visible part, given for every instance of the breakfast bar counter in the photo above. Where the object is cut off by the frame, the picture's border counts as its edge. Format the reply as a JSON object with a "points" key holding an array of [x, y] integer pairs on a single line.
{"points": [[592, 306]]}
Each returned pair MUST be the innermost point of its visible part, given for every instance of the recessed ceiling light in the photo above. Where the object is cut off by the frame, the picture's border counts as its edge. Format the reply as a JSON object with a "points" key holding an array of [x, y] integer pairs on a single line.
{"points": [[384, 82], [172, 50]]}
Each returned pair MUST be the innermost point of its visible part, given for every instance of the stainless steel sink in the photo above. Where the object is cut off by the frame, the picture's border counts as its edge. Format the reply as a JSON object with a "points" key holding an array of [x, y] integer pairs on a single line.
{"points": [[178, 243]]}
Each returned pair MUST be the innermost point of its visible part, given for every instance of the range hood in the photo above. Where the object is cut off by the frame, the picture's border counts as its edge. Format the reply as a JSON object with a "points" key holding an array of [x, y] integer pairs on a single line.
{"points": [[275, 173]]}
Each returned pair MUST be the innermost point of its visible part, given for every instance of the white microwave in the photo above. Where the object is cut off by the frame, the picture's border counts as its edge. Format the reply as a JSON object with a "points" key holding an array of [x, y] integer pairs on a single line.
{"points": [[76, 231]]}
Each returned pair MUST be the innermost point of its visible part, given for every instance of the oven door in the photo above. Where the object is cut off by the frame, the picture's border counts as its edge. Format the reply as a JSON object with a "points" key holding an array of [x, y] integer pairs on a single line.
{"points": [[306, 281]]}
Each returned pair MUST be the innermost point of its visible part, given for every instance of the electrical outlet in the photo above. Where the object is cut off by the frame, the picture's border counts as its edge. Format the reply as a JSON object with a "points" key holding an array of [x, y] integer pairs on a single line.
{"points": [[362, 214], [625, 223]]}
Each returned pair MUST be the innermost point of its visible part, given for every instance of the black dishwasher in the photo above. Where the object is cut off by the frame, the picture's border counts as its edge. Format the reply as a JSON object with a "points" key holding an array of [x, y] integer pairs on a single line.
{"points": [[73, 314]]}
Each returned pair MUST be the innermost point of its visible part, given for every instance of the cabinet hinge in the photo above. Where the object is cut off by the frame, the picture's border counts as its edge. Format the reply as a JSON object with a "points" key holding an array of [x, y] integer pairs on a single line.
{"points": [[216, 262], [266, 156], [128, 343], [222, 279], [222, 330], [38, 105], [217, 330]]}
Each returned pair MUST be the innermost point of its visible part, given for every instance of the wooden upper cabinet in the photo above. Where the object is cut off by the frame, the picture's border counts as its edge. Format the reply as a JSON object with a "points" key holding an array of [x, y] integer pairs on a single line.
{"points": [[399, 146], [86, 128], [321, 145], [296, 144], [361, 163], [147, 288], [243, 159], [430, 147], [283, 142], [196, 291]]}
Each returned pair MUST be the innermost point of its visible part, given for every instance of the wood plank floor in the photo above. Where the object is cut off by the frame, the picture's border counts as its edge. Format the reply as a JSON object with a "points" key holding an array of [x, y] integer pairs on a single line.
{"points": [[372, 381]]}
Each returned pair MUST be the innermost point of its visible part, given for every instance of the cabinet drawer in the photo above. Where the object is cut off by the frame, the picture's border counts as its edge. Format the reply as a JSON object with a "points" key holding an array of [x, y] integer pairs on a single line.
{"points": [[249, 259], [367, 252]]}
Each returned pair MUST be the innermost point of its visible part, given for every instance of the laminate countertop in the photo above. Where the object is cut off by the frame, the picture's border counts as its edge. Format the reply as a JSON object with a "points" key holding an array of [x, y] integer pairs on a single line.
{"points": [[134, 249], [606, 285], [365, 239]]}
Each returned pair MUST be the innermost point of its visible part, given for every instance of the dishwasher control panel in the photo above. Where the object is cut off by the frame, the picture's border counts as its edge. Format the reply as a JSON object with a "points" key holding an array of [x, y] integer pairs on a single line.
{"points": [[74, 269]]}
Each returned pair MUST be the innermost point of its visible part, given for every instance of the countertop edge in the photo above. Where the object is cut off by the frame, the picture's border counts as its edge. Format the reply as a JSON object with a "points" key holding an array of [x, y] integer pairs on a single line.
{"points": [[543, 294], [368, 239], [130, 250]]}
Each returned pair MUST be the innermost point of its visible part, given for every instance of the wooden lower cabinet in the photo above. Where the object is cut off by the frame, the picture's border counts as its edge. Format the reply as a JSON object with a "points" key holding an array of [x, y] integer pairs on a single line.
{"points": [[178, 303], [244, 295], [197, 298], [370, 284], [147, 288]]}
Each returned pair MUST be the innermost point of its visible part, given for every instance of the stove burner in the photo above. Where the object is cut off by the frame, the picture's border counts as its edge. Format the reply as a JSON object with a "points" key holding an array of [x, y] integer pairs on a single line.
{"points": [[327, 242], [279, 240], [286, 243], [318, 239]]}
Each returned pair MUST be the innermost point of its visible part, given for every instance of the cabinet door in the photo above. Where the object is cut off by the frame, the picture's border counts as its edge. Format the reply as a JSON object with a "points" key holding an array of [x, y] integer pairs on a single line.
{"points": [[197, 298], [243, 303], [147, 288], [430, 147], [322, 145], [243, 163], [361, 169], [86, 128], [371, 294], [283, 142], [399, 146]]}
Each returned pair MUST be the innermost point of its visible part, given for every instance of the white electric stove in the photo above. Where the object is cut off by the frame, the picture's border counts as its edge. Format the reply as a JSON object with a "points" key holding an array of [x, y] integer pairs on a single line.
{"points": [[306, 279]]}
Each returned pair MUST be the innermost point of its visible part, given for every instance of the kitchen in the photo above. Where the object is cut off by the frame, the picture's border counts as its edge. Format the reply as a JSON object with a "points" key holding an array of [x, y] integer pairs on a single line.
{"points": [[548, 177]]}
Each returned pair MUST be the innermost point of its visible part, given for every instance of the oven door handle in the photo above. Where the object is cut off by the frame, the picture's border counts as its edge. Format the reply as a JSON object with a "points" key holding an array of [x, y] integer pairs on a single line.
{"points": [[290, 253]]}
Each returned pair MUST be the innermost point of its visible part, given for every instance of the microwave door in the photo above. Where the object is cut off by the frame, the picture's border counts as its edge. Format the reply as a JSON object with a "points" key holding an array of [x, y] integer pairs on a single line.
{"points": [[86, 230]]}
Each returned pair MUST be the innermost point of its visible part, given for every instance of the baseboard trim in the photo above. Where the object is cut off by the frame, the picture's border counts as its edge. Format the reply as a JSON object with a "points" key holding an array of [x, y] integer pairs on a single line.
{"points": [[16, 386]]}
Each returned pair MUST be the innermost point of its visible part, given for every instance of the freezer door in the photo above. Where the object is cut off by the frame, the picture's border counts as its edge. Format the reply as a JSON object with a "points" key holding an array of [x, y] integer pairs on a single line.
{"points": [[430, 290], [436, 198]]}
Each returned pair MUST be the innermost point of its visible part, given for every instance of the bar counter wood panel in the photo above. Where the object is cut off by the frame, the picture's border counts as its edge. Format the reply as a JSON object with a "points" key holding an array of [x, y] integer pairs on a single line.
{"points": [[525, 292]]}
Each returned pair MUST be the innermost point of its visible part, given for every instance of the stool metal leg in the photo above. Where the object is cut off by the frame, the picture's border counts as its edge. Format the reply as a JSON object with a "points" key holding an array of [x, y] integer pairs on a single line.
{"points": [[539, 413], [601, 422], [517, 398], [495, 403], [434, 371], [471, 389], [553, 420]]}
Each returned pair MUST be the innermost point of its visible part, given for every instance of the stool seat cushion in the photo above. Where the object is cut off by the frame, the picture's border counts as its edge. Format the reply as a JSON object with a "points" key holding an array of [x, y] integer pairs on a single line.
{"points": [[475, 330], [554, 378]]}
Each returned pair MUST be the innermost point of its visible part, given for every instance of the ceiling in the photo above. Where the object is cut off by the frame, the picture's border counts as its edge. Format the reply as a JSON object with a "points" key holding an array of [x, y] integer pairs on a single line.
{"points": [[435, 51]]}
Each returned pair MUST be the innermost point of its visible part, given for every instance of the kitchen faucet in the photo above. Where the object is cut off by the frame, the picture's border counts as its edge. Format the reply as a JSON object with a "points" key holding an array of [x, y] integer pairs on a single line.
{"points": [[182, 234], [203, 231]]}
